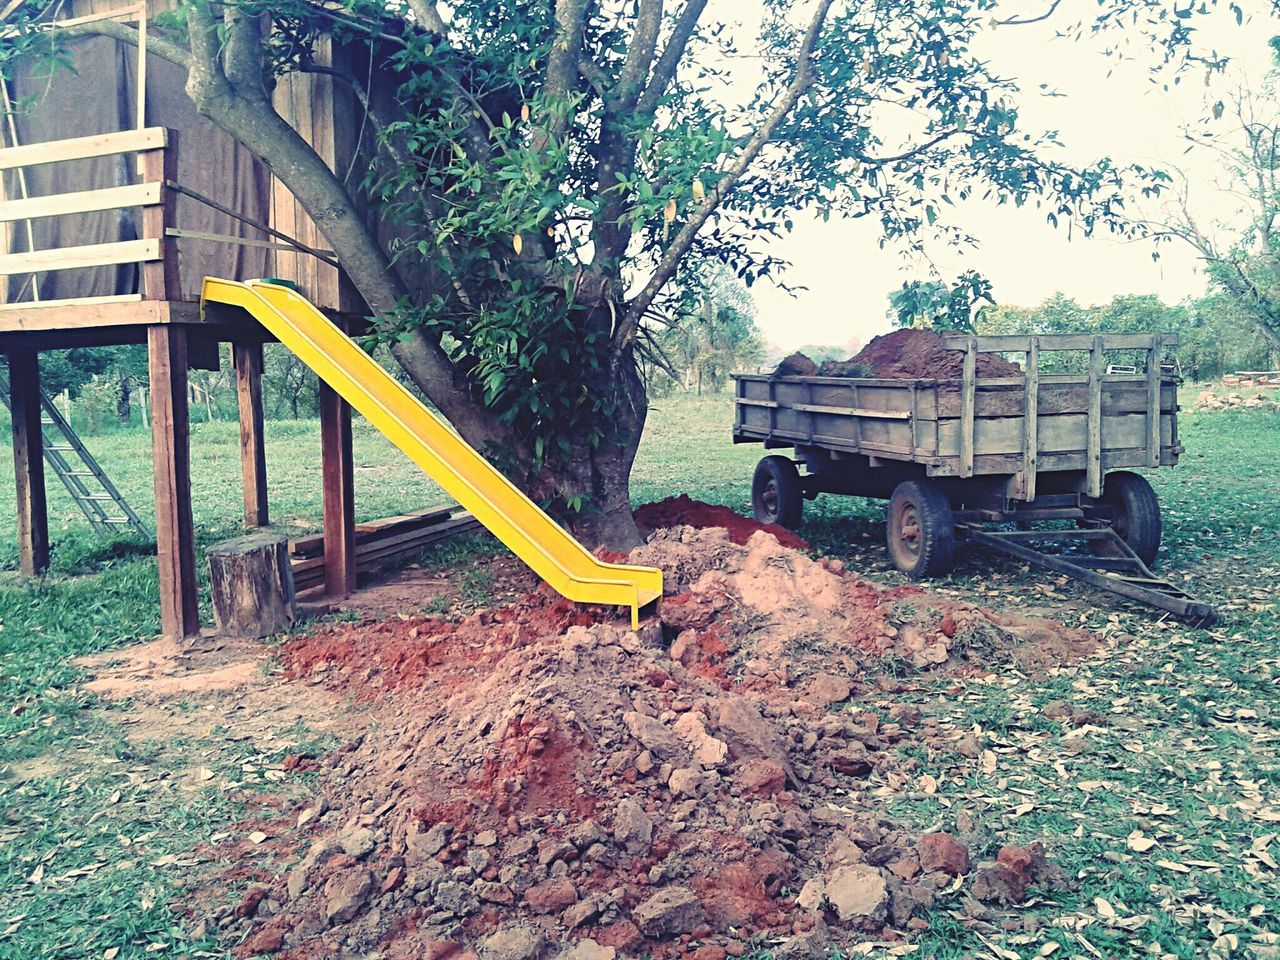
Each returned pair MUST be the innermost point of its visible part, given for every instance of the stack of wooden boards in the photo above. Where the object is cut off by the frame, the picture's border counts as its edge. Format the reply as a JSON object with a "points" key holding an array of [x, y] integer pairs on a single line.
{"points": [[380, 541]]}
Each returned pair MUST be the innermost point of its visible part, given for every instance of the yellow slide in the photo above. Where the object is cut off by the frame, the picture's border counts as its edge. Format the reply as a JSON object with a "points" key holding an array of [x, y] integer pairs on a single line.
{"points": [[466, 476]]}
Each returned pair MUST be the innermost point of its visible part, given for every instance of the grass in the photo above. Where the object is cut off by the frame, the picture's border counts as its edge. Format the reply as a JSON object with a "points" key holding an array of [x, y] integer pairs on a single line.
{"points": [[94, 827]]}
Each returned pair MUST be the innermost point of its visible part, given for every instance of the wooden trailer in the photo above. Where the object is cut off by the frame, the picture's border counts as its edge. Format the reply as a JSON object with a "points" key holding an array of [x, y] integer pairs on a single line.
{"points": [[952, 455]]}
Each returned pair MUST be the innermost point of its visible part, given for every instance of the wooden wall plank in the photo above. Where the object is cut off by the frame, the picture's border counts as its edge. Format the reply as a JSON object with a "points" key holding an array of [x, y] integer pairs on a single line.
{"points": [[171, 455], [79, 148], [72, 258], [81, 201], [311, 105], [28, 463]]}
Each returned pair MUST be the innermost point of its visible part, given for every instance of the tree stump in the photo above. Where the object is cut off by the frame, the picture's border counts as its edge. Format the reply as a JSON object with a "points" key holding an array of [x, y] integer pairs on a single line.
{"points": [[252, 585]]}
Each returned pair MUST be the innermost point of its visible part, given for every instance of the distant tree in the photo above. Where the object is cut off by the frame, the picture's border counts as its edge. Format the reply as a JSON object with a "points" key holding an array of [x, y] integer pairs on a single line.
{"points": [[713, 333], [288, 383], [935, 306], [1242, 259], [1215, 335], [1221, 336], [123, 368]]}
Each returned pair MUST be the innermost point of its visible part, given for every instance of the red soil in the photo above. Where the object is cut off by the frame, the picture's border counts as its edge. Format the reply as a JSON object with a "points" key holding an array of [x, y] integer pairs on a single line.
{"points": [[906, 354], [684, 511], [543, 766]]}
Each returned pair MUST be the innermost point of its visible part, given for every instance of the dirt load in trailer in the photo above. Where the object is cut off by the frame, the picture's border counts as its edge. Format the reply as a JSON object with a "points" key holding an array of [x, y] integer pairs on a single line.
{"points": [[983, 440]]}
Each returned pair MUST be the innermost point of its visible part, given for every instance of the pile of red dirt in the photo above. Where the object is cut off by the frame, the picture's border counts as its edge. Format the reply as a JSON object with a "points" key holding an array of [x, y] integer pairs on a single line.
{"points": [[905, 354], [541, 781], [684, 511]]}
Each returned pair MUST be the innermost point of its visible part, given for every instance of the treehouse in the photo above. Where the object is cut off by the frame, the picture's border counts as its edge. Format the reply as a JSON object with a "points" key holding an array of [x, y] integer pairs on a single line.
{"points": [[118, 199]]}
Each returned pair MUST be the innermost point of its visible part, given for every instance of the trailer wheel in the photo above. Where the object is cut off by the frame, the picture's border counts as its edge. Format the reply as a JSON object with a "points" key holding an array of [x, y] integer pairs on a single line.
{"points": [[921, 530], [777, 496], [1137, 512]]}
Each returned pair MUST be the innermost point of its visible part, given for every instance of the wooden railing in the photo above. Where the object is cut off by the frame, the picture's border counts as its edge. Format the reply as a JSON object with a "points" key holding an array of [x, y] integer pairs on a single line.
{"points": [[1032, 346], [157, 157]]}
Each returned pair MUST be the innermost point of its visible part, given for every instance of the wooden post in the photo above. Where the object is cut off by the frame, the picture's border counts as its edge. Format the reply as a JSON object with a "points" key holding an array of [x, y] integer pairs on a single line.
{"points": [[251, 585], [1154, 387], [1093, 449], [247, 357], [28, 462], [160, 279], [171, 453], [968, 387], [1030, 425], [338, 471]]}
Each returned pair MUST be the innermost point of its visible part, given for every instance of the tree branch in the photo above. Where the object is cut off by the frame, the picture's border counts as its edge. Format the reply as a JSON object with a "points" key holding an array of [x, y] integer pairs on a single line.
{"points": [[161, 47], [429, 17], [671, 258], [244, 52], [1016, 22], [562, 71], [206, 83], [635, 68], [664, 70], [914, 151]]}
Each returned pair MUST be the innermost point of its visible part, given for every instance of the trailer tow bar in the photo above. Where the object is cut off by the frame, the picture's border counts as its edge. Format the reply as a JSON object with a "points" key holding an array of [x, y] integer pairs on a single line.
{"points": [[1120, 571]]}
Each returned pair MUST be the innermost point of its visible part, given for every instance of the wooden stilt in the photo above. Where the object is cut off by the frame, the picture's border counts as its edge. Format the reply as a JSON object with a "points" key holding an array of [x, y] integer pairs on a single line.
{"points": [[253, 454], [338, 470], [171, 453], [28, 463]]}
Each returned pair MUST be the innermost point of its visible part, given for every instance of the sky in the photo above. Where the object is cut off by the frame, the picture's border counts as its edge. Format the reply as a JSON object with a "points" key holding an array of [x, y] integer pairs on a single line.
{"points": [[1110, 109]]}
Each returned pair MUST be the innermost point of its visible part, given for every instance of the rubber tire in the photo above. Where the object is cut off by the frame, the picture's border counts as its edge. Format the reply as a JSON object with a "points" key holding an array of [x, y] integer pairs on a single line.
{"points": [[1137, 511], [777, 496], [934, 555]]}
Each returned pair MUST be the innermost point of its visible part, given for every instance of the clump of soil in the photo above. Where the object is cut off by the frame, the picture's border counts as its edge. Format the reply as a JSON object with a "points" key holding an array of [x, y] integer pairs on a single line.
{"points": [[905, 354], [796, 365], [540, 777], [684, 511]]}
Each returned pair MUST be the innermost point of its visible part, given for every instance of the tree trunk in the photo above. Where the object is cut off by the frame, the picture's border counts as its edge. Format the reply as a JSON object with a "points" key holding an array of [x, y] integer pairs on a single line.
{"points": [[603, 475], [124, 410], [251, 585]]}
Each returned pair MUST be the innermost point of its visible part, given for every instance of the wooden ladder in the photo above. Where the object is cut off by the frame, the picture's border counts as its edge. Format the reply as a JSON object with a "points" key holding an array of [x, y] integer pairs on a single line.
{"points": [[86, 482]]}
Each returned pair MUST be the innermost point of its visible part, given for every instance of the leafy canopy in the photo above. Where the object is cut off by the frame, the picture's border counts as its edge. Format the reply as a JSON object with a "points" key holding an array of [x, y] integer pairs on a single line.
{"points": [[544, 174]]}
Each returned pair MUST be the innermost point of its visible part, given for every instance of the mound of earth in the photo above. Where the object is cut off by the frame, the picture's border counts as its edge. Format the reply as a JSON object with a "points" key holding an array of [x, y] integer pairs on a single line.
{"points": [[541, 781], [905, 354], [796, 365], [684, 511]]}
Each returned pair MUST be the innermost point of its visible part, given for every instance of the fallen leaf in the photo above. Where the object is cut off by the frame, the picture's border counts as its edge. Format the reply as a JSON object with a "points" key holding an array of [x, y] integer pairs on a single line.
{"points": [[1138, 843], [257, 836]]}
